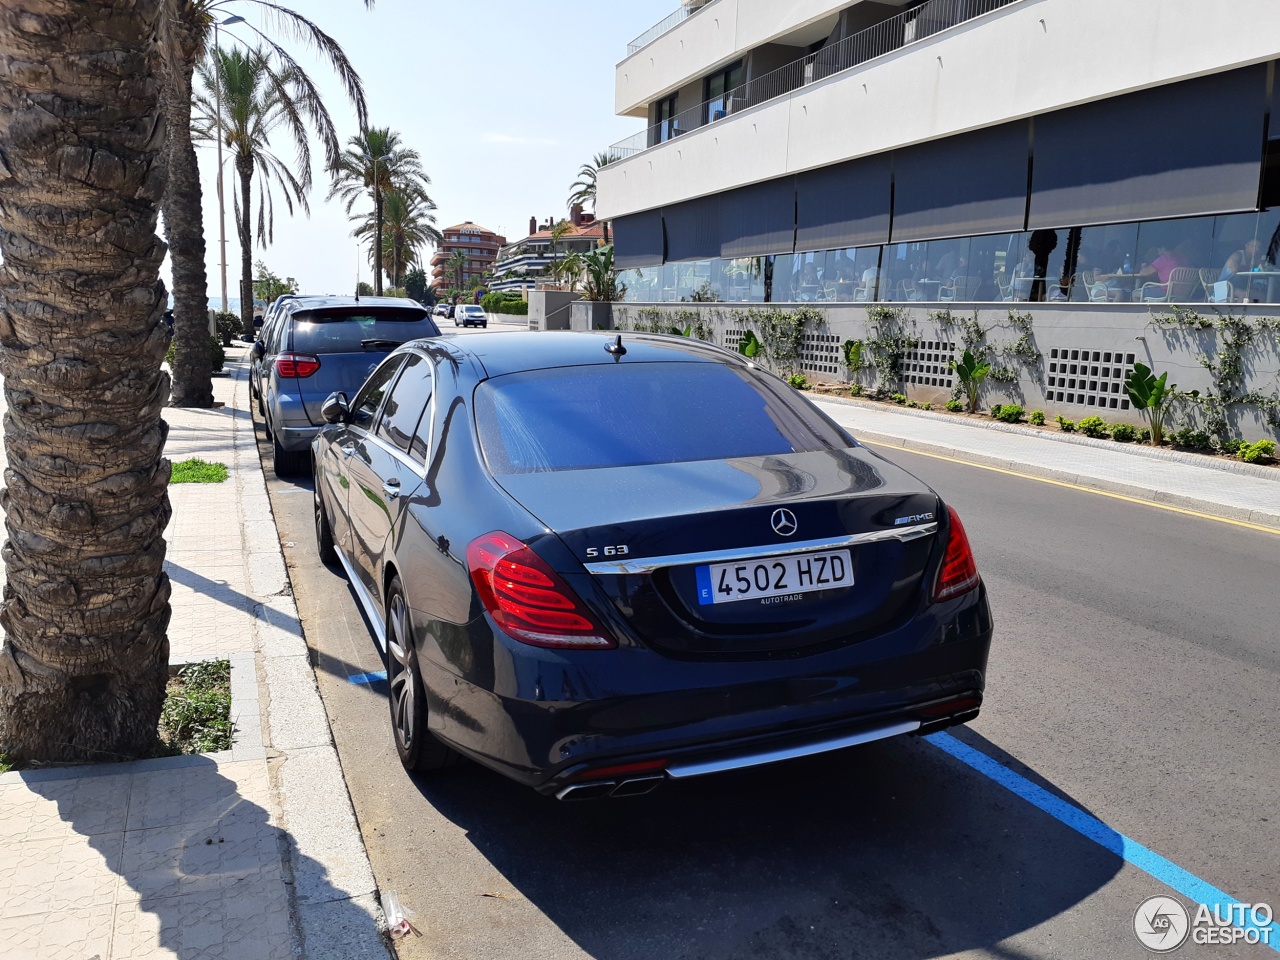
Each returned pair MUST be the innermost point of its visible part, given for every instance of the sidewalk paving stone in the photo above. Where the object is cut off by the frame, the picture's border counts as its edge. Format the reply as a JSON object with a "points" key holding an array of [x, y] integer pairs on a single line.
{"points": [[229, 855]]}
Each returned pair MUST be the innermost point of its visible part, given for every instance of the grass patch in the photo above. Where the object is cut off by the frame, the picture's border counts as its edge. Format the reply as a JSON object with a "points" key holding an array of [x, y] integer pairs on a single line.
{"points": [[196, 470], [196, 717], [5, 765]]}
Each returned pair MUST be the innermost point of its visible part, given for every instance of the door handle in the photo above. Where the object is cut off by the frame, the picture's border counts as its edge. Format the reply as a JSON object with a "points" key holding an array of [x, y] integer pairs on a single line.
{"points": [[348, 449], [391, 489]]}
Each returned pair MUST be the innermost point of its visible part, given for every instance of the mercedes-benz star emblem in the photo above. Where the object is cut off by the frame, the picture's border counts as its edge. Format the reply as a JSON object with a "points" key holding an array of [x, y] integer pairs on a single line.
{"points": [[784, 522]]}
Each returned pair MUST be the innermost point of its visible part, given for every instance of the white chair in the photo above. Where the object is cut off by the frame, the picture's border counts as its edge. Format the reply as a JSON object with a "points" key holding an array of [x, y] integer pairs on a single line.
{"points": [[1182, 283], [1220, 292], [1098, 292]]}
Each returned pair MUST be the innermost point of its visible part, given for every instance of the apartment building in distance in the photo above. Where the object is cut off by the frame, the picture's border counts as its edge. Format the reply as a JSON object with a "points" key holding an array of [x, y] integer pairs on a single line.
{"points": [[977, 151], [480, 246], [522, 263]]}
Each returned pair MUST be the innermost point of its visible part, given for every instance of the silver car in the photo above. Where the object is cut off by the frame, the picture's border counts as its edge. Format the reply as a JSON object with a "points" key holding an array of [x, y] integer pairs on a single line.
{"points": [[315, 346]]}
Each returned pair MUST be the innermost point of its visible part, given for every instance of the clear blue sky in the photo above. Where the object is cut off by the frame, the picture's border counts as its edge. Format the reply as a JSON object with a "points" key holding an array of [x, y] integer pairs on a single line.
{"points": [[504, 100]]}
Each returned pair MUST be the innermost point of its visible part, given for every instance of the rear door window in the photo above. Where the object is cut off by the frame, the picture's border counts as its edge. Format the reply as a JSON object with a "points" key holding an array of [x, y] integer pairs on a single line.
{"points": [[353, 329], [579, 418], [404, 408], [370, 396]]}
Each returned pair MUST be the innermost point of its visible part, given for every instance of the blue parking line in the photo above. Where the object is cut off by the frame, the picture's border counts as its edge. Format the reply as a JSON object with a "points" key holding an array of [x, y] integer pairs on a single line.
{"points": [[367, 677], [1167, 872]]}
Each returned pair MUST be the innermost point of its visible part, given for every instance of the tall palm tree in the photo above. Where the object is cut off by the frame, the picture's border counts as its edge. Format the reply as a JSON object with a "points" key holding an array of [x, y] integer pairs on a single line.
{"points": [[583, 190], [374, 164], [408, 225], [456, 262], [557, 234], [84, 659], [257, 100], [185, 31]]}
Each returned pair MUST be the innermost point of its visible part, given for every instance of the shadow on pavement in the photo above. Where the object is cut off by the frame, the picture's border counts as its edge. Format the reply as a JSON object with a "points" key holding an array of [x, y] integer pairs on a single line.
{"points": [[203, 870], [892, 851]]}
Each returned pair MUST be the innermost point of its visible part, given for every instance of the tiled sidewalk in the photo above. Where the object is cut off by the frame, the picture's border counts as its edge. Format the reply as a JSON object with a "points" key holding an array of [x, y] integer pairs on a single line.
{"points": [[251, 854], [1217, 487]]}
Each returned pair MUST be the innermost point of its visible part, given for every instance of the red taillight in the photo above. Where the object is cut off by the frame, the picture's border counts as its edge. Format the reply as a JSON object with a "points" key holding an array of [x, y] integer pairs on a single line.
{"points": [[958, 573], [623, 770], [296, 364], [527, 599]]}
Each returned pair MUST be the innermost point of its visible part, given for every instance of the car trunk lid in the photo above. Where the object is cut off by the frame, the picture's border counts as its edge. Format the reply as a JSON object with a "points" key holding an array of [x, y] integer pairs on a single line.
{"points": [[654, 539]]}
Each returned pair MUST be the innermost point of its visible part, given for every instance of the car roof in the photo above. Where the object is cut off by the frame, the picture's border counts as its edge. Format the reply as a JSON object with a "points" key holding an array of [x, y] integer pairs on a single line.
{"points": [[305, 303], [539, 350]]}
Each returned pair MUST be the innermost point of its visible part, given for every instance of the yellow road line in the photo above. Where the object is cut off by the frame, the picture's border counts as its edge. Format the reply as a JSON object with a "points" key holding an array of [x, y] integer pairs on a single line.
{"points": [[1076, 486]]}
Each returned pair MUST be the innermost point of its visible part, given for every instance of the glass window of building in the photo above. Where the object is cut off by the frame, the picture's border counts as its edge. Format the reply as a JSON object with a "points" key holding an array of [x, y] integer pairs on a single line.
{"points": [[716, 90], [664, 117]]}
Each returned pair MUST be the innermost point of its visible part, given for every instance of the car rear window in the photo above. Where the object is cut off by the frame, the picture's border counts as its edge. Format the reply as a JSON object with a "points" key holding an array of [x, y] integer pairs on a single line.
{"points": [[344, 330], [578, 418]]}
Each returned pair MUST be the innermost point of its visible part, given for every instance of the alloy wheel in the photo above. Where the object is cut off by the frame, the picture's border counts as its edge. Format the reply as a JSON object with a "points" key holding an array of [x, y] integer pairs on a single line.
{"points": [[400, 673]]}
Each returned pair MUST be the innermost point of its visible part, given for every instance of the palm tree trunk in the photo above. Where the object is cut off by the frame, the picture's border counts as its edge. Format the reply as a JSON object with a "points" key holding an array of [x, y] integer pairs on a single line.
{"points": [[377, 241], [244, 167], [84, 661], [605, 225], [184, 227]]}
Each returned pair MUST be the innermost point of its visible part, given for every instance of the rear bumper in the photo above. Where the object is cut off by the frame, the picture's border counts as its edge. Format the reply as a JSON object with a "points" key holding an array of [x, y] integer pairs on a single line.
{"points": [[296, 438], [570, 714]]}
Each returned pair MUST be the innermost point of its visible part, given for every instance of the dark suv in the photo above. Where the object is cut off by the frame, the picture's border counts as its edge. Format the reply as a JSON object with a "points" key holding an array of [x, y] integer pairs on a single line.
{"points": [[315, 346]]}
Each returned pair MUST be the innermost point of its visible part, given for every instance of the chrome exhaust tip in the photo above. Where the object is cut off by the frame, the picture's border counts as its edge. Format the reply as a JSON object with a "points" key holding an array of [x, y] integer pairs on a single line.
{"points": [[637, 786], [587, 791]]}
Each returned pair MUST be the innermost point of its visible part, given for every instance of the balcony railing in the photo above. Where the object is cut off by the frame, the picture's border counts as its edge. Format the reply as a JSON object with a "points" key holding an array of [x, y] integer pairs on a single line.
{"points": [[686, 10], [875, 41]]}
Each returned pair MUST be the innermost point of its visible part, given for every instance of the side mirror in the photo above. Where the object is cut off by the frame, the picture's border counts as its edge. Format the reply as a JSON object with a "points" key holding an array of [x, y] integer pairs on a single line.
{"points": [[259, 349], [335, 408]]}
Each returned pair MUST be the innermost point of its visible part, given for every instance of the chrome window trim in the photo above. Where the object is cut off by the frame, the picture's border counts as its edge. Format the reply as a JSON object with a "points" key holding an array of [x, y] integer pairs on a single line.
{"points": [[649, 564]]}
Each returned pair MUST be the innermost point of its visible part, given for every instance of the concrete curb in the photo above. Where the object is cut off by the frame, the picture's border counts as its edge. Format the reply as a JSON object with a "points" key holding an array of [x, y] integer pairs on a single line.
{"points": [[1130, 449], [1150, 494], [327, 860]]}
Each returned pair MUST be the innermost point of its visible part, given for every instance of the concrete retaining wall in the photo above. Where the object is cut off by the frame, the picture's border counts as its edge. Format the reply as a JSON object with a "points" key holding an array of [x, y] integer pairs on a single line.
{"points": [[1085, 350]]}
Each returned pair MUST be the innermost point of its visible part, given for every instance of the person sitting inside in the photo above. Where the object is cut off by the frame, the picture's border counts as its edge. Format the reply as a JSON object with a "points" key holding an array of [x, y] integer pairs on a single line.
{"points": [[1159, 269], [1239, 264]]}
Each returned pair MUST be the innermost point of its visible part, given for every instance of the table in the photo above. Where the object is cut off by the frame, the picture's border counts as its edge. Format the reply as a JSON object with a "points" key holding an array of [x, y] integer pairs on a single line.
{"points": [[929, 289], [1271, 276]]}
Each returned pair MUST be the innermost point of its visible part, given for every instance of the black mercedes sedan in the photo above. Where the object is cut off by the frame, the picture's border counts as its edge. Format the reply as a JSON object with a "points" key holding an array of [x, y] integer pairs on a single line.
{"points": [[597, 562]]}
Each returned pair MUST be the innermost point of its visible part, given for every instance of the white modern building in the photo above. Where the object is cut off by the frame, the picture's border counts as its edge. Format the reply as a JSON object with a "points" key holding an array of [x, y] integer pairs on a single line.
{"points": [[950, 150]]}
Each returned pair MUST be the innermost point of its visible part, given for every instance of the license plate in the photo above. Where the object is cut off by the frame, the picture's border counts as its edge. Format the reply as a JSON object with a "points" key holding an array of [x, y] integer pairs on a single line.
{"points": [[774, 576]]}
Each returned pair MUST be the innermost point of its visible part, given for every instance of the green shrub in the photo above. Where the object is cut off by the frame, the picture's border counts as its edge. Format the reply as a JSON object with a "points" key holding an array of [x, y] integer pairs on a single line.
{"points": [[912, 404], [798, 381], [855, 390], [1150, 395], [1124, 432], [1068, 426], [971, 371], [217, 355], [898, 398], [1191, 439], [1260, 452], [1036, 417], [229, 327], [955, 406], [1144, 434], [926, 406], [1232, 445], [1093, 426], [1007, 412]]}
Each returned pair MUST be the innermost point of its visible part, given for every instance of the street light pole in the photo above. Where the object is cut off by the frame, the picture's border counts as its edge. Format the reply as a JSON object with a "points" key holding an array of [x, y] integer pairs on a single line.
{"points": [[222, 211]]}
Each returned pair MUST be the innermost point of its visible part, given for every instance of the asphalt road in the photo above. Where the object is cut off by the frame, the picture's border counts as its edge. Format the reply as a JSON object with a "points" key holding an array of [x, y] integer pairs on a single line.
{"points": [[1135, 673]]}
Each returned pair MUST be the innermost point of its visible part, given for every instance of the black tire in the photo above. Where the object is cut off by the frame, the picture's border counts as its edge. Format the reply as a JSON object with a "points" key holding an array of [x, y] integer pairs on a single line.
{"points": [[288, 463], [262, 407], [485, 325], [324, 533], [416, 746]]}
